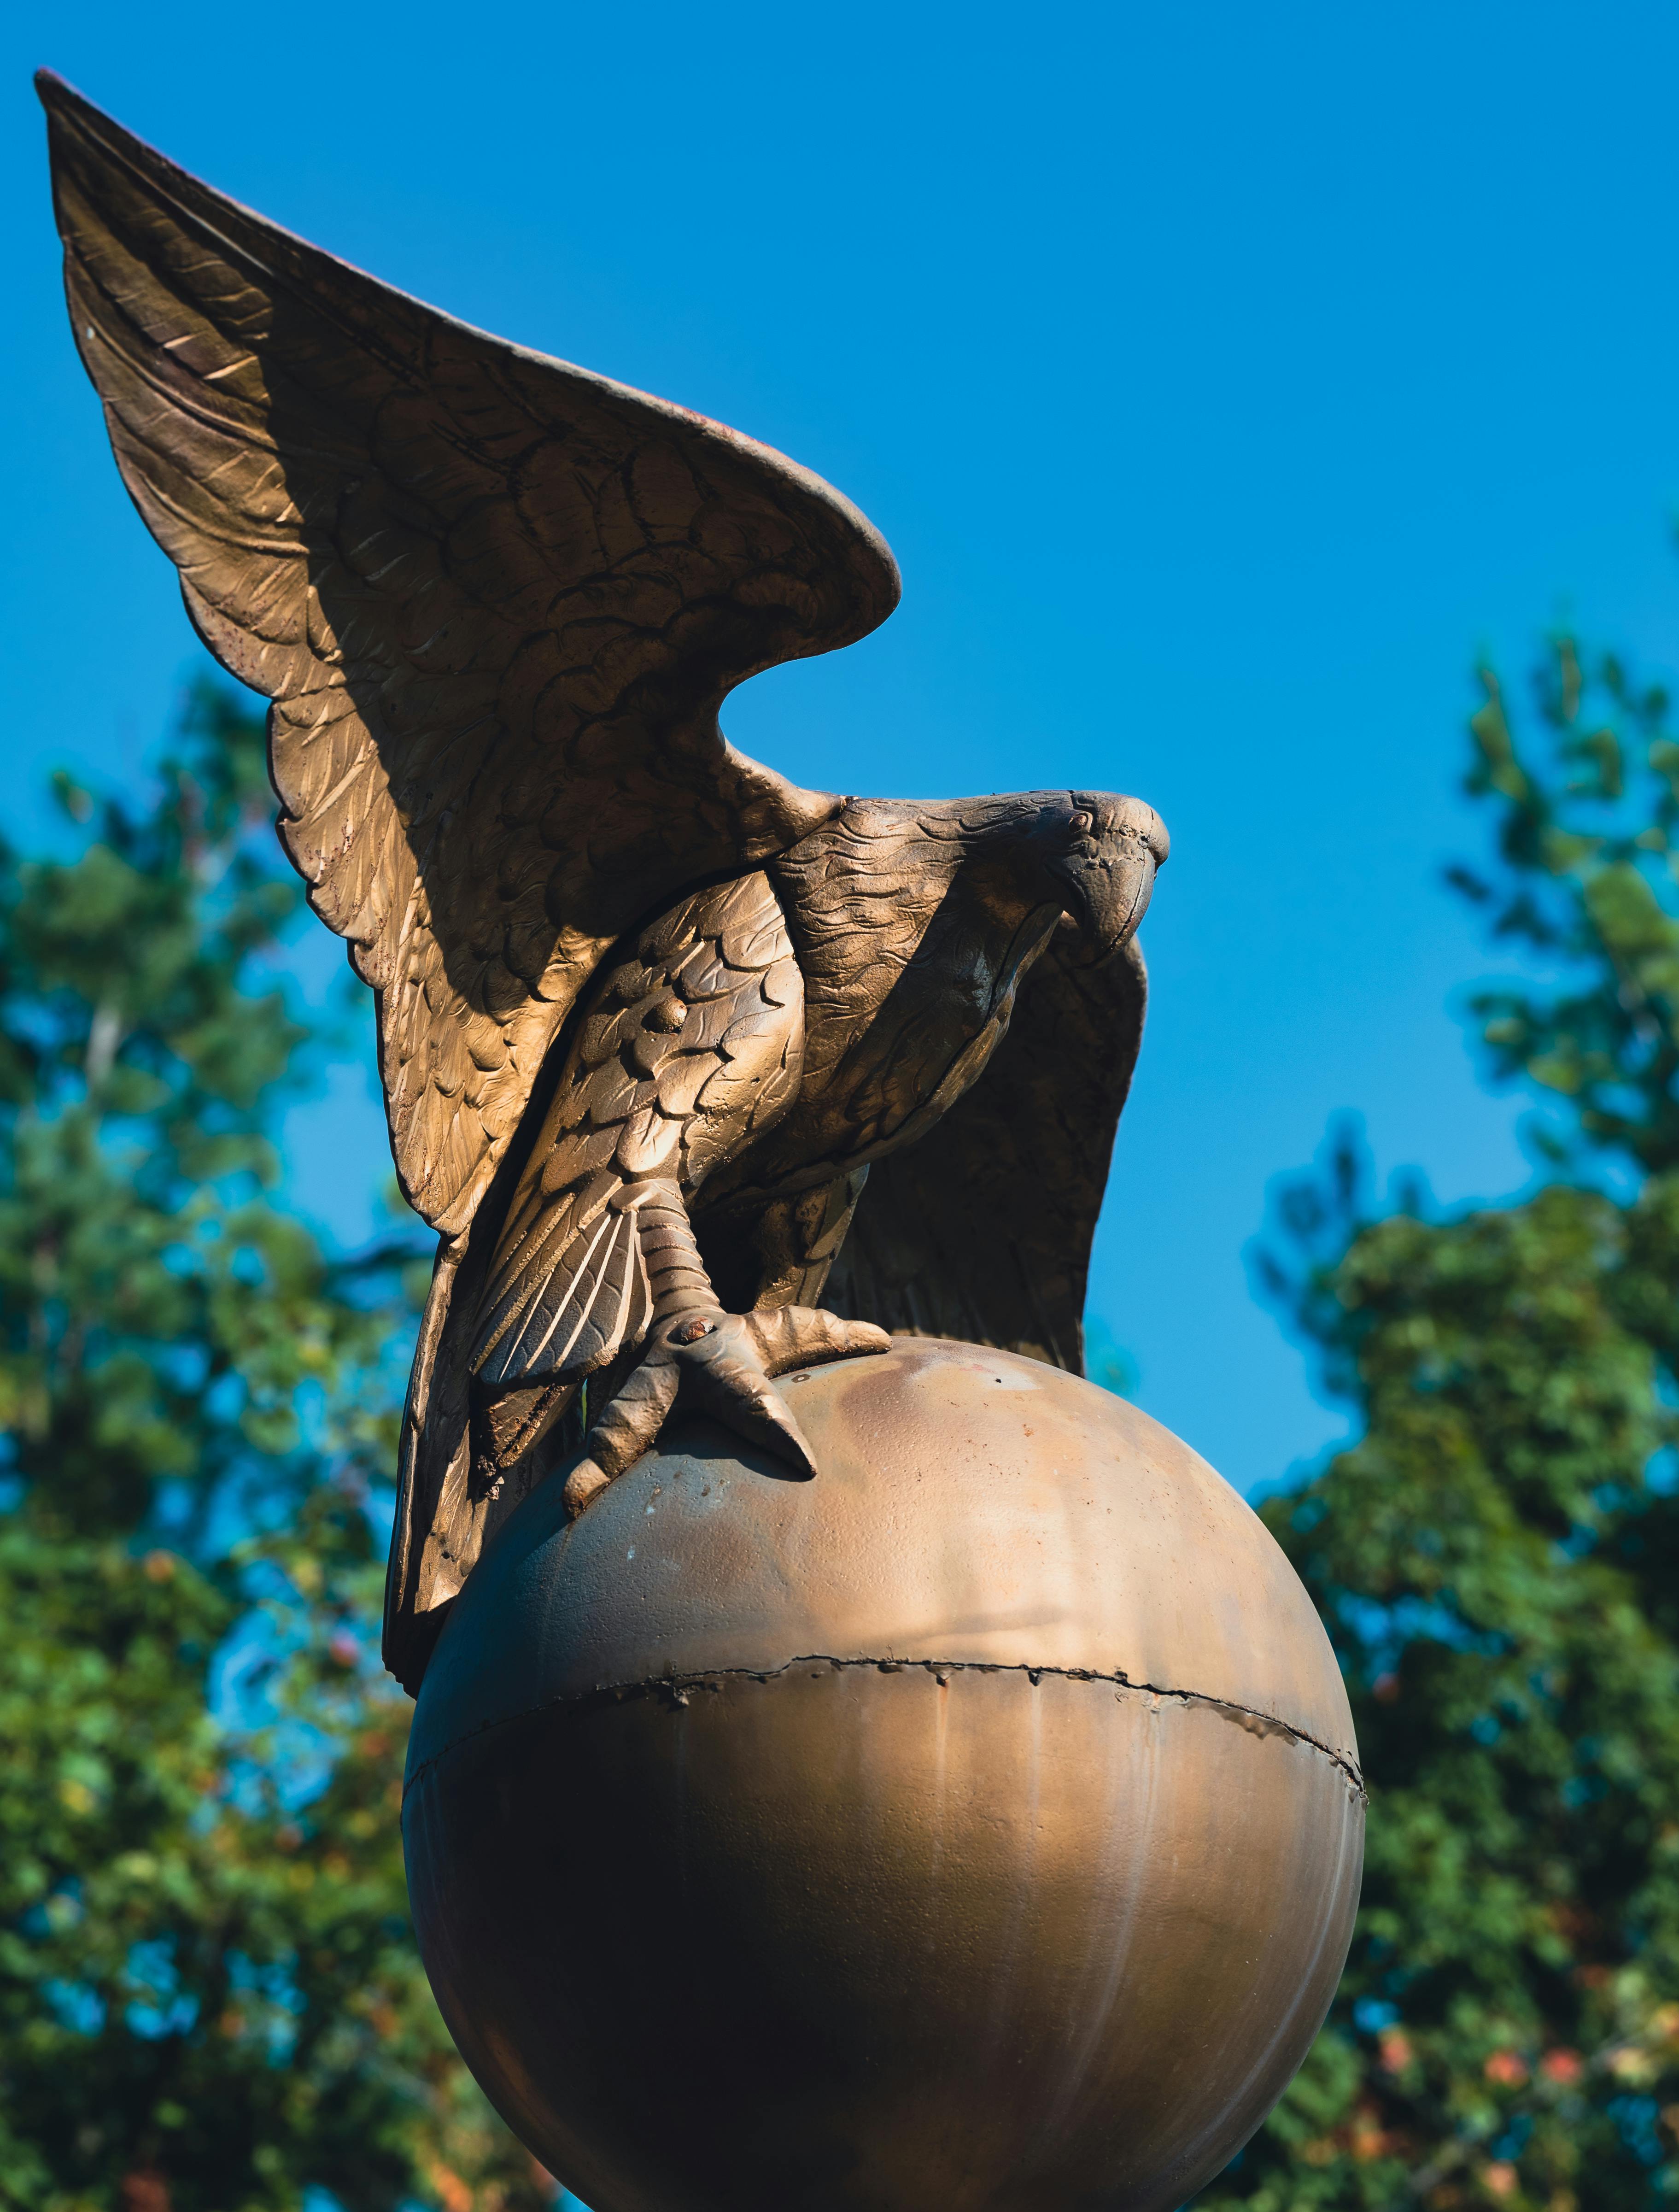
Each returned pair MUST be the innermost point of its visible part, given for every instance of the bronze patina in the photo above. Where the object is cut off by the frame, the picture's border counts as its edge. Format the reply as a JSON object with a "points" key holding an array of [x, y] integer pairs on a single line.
{"points": [[978, 1826], [497, 603], [859, 1765]]}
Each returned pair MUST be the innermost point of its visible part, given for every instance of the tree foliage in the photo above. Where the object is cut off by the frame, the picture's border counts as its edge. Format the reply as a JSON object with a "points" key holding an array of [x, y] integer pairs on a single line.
{"points": [[209, 1997], [210, 2000], [1495, 1556]]}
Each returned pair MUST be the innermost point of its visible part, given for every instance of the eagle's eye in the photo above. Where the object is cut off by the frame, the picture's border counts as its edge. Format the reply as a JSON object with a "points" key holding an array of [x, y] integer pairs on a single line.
{"points": [[1081, 824]]}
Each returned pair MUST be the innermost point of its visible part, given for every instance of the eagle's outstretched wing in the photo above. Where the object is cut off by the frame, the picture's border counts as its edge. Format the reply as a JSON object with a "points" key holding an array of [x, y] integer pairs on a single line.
{"points": [[495, 601], [983, 1231]]}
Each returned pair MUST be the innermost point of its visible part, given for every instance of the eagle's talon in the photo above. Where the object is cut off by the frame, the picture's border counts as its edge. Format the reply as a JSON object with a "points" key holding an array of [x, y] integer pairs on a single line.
{"points": [[584, 1484], [629, 1423], [724, 1373], [786, 1337], [720, 1363]]}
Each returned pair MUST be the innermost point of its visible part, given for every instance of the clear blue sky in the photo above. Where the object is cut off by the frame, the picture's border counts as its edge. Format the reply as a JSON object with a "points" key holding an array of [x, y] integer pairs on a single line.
{"points": [[1225, 378]]}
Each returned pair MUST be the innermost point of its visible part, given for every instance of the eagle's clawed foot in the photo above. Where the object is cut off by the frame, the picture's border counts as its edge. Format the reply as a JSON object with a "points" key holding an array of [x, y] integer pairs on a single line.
{"points": [[723, 1365]]}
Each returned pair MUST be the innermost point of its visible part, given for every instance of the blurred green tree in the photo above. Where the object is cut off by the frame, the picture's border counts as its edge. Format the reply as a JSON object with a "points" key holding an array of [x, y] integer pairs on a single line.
{"points": [[1495, 1556], [210, 2001]]}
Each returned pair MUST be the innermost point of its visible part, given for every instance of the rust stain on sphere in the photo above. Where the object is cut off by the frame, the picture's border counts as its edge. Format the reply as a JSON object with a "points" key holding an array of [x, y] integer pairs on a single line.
{"points": [[975, 1827]]}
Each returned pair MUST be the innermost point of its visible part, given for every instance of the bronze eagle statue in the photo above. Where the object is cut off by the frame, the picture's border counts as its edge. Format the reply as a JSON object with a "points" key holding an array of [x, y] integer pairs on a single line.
{"points": [[650, 1017]]}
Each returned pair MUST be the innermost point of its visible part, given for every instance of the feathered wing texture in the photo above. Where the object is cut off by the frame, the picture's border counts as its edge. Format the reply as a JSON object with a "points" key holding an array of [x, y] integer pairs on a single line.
{"points": [[495, 601], [983, 1231], [686, 1047], [689, 1049]]}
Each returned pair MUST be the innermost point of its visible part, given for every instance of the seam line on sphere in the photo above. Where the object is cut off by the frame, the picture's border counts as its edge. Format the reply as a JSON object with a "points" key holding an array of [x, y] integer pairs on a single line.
{"points": [[680, 1688]]}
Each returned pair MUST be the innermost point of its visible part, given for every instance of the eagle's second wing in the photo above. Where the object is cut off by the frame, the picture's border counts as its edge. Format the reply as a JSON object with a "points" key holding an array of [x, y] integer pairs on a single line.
{"points": [[983, 1229], [495, 601]]}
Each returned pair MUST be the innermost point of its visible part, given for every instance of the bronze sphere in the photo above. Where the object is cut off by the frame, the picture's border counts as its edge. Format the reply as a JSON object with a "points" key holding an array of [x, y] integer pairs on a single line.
{"points": [[975, 1828]]}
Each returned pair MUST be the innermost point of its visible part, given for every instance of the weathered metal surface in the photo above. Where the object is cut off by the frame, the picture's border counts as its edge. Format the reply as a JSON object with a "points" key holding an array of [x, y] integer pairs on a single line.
{"points": [[972, 1505], [977, 1826], [625, 976]]}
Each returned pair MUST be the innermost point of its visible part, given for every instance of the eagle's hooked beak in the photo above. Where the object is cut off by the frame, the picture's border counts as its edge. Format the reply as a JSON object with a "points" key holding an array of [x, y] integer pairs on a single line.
{"points": [[1109, 873]]}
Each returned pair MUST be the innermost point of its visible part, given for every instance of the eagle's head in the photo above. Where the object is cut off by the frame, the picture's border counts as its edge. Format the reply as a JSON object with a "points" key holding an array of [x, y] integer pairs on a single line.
{"points": [[915, 919], [915, 923], [1091, 854], [1100, 853]]}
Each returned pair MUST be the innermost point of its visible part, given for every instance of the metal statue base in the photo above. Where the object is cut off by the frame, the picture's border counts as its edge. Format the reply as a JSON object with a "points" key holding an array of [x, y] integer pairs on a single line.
{"points": [[976, 1826]]}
